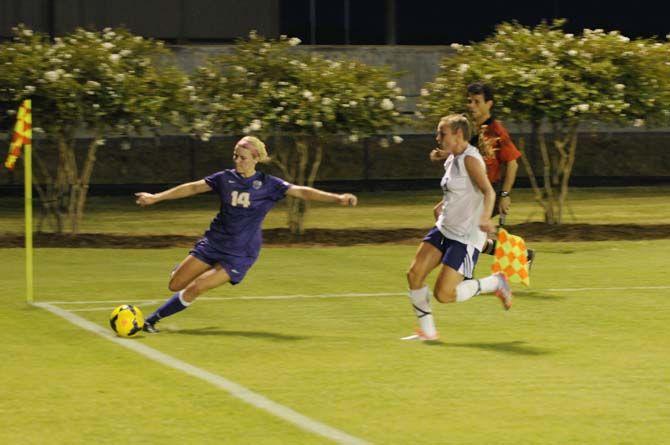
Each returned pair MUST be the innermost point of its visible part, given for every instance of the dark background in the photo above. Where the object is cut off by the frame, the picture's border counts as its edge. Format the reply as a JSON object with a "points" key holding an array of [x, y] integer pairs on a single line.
{"points": [[330, 22]]}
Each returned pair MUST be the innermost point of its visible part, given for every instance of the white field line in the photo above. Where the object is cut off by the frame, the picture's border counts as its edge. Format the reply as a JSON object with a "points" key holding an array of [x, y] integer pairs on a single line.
{"points": [[238, 391], [352, 295]]}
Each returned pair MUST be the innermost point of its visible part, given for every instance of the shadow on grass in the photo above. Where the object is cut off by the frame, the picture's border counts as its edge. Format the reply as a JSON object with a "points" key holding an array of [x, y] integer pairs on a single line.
{"points": [[211, 330], [538, 295], [511, 347]]}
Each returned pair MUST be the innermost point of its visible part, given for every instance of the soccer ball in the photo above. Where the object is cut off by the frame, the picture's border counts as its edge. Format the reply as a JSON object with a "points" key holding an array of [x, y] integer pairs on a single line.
{"points": [[126, 320]]}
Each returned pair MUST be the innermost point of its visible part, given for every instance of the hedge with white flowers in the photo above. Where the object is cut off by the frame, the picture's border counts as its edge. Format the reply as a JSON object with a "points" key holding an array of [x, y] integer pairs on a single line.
{"points": [[108, 82], [270, 87], [556, 80]]}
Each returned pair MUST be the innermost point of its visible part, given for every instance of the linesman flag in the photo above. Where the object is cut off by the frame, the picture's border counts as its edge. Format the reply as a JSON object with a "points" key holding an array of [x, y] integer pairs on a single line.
{"points": [[23, 134], [511, 258]]}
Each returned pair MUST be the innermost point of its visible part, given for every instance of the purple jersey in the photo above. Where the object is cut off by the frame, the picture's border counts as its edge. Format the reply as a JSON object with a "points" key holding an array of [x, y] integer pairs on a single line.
{"points": [[236, 229]]}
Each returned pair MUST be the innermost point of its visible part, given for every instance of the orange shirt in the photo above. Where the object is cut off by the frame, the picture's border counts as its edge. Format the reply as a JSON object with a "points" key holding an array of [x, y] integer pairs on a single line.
{"points": [[504, 149]]}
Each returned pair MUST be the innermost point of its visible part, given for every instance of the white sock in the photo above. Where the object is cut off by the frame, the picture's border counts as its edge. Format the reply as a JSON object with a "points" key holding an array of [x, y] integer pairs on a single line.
{"points": [[182, 301], [420, 300], [489, 284], [467, 289]]}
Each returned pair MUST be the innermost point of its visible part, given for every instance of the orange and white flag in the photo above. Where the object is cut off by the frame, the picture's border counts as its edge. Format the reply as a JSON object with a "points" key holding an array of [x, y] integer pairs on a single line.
{"points": [[511, 258], [23, 134]]}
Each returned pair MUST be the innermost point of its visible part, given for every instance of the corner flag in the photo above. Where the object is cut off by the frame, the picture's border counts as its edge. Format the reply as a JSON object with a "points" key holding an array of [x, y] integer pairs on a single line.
{"points": [[23, 134], [23, 137]]}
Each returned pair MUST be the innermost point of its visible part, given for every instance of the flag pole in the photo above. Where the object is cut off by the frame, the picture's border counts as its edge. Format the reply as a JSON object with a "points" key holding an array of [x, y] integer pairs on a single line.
{"points": [[28, 192], [23, 137]]}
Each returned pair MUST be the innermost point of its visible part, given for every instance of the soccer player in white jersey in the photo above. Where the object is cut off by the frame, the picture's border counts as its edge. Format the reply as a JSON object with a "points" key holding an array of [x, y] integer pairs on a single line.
{"points": [[233, 242], [459, 233]]}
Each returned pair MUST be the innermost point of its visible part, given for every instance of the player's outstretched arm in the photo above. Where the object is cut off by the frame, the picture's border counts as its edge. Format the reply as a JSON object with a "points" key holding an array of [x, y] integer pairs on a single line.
{"points": [[181, 191], [312, 194]]}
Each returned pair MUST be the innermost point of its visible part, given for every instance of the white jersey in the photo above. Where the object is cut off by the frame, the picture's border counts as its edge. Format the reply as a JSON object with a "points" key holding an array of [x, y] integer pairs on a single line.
{"points": [[463, 202]]}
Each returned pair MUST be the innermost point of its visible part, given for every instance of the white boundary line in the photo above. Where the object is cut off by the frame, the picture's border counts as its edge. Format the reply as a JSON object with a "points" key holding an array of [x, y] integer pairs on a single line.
{"points": [[238, 391], [378, 294]]}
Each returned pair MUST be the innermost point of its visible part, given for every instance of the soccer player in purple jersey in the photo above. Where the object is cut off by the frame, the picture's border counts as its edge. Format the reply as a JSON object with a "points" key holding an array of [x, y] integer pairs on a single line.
{"points": [[232, 244]]}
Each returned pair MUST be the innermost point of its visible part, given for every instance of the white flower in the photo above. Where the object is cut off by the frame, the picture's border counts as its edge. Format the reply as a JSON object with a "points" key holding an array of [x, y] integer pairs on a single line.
{"points": [[318, 124], [27, 32], [52, 75], [96, 106], [326, 101], [638, 123], [114, 58], [463, 67], [125, 52], [456, 46], [29, 89], [293, 41], [384, 143], [619, 86], [353, 138], [400, 98], [390, 84], [572, 52], [307, 94], [353, 103], [255, 125], [386, 104], [100, 142], [624, 39], [583, 107], [246, 130], [397, 139], [108, 45], [205, 136], [424, 92]]}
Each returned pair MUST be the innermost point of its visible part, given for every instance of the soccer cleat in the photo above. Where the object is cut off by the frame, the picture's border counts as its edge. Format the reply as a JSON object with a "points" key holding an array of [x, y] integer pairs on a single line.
{"points": [[420, 335], [504, 292], [531, 256], [150, 328]]}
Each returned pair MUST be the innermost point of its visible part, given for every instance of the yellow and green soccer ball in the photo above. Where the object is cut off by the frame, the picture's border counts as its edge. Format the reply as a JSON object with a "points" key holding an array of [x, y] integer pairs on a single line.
{"points": [[126, 320]]}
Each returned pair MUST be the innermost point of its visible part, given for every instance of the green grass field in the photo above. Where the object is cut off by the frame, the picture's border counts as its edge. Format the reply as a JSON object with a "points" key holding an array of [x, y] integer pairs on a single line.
{"points": [[642, 205], [582, 357]]}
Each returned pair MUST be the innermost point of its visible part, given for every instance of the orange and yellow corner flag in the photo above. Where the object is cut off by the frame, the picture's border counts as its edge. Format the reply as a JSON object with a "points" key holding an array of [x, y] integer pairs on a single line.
{"points": [[23, 134], [511, 258]]}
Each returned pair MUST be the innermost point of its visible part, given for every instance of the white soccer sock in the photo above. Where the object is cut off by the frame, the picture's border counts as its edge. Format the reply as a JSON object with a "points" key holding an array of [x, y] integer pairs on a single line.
{"points": [[466, 290], [420, 299], [489, 284]]}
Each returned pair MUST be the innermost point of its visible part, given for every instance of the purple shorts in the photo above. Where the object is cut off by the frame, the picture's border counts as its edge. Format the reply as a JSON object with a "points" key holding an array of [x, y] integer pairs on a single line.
{"points": [[460, 257], [235, 266]]}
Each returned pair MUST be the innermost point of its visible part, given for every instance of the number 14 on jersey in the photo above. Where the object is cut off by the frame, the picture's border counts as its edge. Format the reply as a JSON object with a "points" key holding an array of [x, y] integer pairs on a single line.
{"points": [[240, 199]]}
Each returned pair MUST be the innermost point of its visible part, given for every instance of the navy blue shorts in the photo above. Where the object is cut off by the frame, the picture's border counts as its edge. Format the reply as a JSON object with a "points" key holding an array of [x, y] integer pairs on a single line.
{"points": [[460, 257], [235, 266]]}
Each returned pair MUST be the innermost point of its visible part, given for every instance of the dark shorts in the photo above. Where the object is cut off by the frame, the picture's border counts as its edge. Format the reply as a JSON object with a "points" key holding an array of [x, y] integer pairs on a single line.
{"points": [[235, 266], [460, 257]]}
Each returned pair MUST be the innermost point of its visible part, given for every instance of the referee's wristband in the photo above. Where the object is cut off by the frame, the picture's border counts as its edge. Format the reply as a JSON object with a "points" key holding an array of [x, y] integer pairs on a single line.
{"points": [[504, 194]]}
